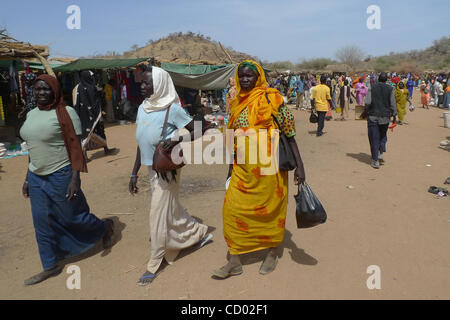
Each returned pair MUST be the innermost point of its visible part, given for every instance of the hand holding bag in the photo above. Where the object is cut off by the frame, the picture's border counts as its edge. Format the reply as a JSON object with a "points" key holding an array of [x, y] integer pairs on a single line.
{"points": [[162, 160], [309, 212], [313, 118]]}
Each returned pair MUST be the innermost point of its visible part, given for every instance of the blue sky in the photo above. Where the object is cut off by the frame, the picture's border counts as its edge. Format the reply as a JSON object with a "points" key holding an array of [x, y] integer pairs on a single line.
{"points": [[272, 30]]}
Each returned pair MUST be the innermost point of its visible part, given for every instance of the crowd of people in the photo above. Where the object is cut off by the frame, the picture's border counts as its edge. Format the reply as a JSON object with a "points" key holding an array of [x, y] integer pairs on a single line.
{"points": [[298, 87], [255, 204]]}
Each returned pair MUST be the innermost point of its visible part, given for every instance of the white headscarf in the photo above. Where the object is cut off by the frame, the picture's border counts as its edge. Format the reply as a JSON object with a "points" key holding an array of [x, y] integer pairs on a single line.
{"points": [[164, 93]]}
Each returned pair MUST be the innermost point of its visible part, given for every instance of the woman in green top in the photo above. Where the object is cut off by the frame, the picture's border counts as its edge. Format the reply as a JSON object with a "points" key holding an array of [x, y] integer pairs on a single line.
{"points": [[62, 220]]}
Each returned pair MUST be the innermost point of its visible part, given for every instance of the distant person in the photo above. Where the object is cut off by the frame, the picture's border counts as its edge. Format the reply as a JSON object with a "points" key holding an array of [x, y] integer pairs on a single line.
{"points": [[204, 100], [401, 97], [321, 98], [440, 93], [300, 92], [425, 94], [410, 86], [230, 95], [344, 100], [434, 92], [446, 103], [192, 100], [380, 106], [331, 106], [109, 88], [87, 104], [307, 96], [361, 91]]}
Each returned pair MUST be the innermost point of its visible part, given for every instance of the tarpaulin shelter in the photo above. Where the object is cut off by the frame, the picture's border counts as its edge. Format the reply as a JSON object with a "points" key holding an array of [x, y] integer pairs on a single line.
{"points": [[22, 64], [202, 77], [92, 64]]}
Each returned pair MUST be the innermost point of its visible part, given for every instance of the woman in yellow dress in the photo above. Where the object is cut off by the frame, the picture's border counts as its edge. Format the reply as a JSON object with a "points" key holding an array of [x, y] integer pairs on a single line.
{"points": [[254, 211], [401, 96]]}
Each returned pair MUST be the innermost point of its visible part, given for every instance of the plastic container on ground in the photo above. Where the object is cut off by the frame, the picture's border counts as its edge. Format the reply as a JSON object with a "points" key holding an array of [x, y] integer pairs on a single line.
{"points": [[447, 119]]}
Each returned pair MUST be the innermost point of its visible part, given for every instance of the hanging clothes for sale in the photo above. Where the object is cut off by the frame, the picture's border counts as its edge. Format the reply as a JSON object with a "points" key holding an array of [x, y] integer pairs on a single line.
{"points": [[135, 91], [13, 86], [30, 100]]}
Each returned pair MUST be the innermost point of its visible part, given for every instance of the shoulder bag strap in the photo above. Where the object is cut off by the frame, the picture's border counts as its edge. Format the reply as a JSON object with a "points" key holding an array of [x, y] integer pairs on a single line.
{"points": [[275, 118], [165, 121]]}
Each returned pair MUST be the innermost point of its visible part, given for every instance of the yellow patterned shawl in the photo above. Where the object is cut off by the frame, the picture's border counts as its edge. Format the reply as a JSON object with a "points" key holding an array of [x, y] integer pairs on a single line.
{"points": [[254, 211]]}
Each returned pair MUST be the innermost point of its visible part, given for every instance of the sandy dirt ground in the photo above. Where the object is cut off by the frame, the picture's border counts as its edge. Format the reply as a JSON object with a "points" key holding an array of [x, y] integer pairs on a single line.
{"points": [[388, 219]]}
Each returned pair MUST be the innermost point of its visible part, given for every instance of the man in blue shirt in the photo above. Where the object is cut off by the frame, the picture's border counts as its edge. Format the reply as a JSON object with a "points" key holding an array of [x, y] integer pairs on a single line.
{"points": [[300, 91]]}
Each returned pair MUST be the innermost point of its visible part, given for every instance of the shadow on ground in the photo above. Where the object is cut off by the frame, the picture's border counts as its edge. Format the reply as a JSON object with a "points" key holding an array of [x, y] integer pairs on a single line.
{"points": [[362, 157], [101, 153], [118, 229], [297, 254]]}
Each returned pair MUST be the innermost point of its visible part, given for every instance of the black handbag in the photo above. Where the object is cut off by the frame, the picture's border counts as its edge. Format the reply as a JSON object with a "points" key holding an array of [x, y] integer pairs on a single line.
{"points": [[286, 156], [309, 211], [313, 118]]}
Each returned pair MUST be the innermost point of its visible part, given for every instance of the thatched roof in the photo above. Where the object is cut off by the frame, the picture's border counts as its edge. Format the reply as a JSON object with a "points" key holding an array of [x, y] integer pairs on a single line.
{"points": [[10, 48]]}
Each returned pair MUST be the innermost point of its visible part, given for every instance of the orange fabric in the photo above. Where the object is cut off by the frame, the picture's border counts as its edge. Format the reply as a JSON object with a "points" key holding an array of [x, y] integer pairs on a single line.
{"points": [[259, 110], [254, 210]]}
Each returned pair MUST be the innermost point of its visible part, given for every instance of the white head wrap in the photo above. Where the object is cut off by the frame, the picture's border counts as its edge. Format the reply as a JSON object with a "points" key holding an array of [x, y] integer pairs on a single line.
{"points": [[164, 93]]}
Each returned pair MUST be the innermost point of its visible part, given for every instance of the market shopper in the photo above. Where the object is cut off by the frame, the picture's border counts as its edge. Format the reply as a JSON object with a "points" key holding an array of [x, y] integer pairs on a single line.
{"points": [[320, 101], [109, 93], [62, 220], [344, 99], [425, 94], [254, 211], [87, 104], [380, 106], [230, 95], [401, 97], [171, 227], [360, 91], [300, 92]]}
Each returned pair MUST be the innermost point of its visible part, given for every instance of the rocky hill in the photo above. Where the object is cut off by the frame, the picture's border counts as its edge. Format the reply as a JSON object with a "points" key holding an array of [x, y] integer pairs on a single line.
{"points": [[199, 49], [187, 48], [434, 58]]}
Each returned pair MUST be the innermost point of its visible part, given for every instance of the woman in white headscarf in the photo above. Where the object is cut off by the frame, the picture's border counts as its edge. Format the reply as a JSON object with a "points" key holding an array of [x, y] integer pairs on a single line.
{"points": [[171, 227]]}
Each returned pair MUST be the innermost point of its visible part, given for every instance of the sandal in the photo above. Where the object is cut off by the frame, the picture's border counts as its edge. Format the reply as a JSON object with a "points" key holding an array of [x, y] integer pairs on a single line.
{"points": [[223, 274], [436, 190], [43, 276], [266, 269], [205, 240], [146, 278]]}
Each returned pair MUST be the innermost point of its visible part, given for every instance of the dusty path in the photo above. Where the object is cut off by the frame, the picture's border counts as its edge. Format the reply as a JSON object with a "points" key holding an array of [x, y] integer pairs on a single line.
{"points": [[388, 219]]}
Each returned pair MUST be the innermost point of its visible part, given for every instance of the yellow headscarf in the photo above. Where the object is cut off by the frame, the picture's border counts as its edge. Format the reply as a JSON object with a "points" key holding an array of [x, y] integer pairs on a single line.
{"points": [[260, 111]]}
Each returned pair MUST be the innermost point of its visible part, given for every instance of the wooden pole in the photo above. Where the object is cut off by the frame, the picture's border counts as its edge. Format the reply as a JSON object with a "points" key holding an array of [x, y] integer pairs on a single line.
{"points": [[229, 57], [45, 64]]}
